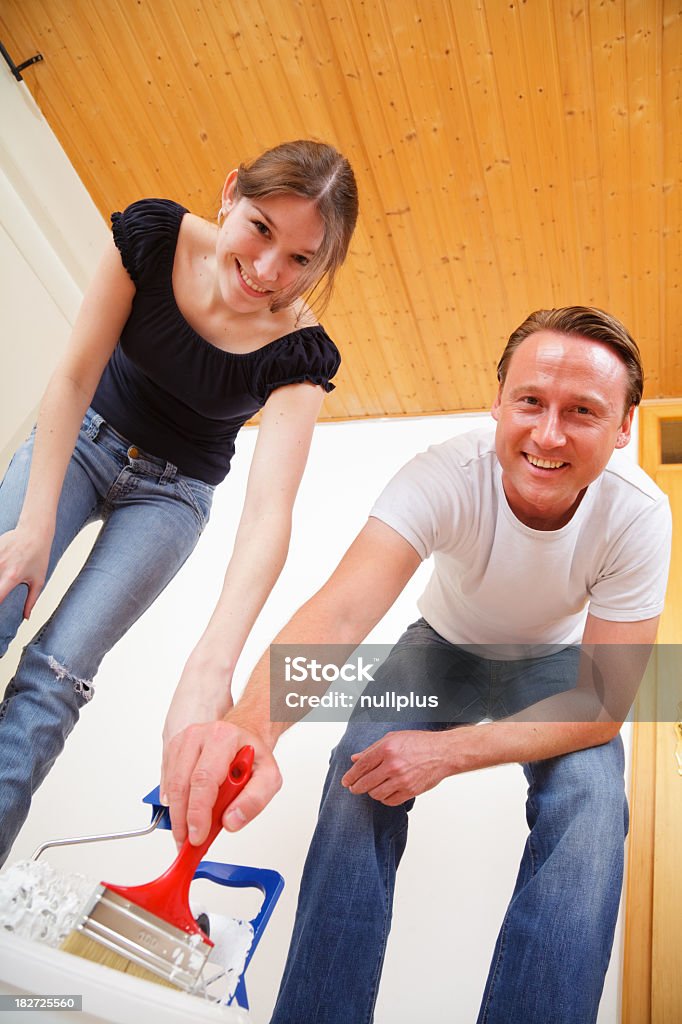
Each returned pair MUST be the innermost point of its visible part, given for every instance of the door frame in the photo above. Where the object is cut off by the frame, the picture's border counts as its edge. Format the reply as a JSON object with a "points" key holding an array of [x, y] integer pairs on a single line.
{"points": [[650, 789]]}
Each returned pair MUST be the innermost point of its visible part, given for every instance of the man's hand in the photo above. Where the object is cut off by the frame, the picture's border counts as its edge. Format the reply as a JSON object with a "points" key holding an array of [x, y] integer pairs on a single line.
{"points": [[399, 766], [198, 760]]}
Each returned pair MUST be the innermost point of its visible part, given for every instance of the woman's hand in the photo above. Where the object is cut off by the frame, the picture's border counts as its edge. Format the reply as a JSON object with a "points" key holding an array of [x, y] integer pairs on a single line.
{"points": [[198, 759], [24, 556]]}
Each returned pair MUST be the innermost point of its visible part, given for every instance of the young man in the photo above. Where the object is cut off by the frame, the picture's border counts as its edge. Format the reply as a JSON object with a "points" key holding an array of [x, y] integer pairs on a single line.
{"points": [[540, 540]]}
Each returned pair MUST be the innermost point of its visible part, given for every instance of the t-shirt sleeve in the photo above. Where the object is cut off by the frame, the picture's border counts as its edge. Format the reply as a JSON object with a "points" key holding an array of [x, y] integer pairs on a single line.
{"points": [[632, 583], [145, 234], [423, 502], [305, 355]]}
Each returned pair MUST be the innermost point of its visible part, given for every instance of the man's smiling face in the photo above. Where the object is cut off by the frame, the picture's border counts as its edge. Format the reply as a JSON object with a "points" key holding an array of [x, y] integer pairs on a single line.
{"points": [[560, 414]]}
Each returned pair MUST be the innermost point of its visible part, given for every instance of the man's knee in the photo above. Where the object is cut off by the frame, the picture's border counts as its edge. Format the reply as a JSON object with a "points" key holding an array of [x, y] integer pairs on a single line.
{"points": [[358, 736], [596, 773], [585, 789], [346, 815]]}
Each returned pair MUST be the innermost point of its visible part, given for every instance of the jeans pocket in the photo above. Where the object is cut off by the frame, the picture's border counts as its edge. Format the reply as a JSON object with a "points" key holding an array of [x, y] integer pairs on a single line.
{"points": [[197, 494]]}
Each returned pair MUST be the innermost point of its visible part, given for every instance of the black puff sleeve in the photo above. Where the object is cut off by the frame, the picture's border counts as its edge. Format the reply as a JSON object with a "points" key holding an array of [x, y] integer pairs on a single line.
{"points": [[308, 354], [145, 234]]}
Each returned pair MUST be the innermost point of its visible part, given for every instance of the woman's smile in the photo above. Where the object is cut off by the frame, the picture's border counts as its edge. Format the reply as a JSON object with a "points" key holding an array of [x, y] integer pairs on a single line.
{"points": [[251, 285]]}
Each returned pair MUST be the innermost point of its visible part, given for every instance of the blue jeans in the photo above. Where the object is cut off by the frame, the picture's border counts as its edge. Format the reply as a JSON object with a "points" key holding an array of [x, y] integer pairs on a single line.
{"points": [[152, 518], [553, 949]]}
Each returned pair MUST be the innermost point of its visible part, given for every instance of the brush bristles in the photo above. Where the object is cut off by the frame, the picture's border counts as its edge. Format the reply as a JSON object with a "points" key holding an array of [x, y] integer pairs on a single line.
{"points": [[141, 972], [89, 949]]}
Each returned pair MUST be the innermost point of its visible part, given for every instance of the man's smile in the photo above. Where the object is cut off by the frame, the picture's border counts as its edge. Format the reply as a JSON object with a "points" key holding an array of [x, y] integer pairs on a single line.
{"points": [[543, 463]]}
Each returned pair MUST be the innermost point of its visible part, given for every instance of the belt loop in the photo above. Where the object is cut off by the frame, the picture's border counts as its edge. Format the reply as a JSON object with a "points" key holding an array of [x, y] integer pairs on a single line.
{"points": [[94, 425], [168, 474]]}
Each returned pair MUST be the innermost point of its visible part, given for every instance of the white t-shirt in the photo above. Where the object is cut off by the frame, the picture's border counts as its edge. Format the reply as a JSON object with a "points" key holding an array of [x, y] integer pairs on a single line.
{"points": [[496, 581]]}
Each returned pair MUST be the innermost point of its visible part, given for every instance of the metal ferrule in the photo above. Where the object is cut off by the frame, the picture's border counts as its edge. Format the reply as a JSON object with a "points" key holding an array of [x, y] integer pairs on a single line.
{"points": [[143, 938]]}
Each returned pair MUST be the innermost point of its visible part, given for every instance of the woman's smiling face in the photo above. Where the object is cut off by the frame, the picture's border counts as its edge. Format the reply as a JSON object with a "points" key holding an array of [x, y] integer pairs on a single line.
{"points": [[559, 417], [263, 246]]}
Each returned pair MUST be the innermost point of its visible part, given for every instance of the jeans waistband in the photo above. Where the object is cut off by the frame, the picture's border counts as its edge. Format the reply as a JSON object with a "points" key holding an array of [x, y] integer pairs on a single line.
{"points": [[95, 426]]}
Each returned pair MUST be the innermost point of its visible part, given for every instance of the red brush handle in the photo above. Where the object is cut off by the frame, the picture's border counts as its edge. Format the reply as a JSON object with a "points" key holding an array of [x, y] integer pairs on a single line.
{"points": [[168, 896]]}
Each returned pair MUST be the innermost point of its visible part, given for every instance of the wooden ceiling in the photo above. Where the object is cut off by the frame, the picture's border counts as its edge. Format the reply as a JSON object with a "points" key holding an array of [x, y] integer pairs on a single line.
{"points": [[511, 154]]}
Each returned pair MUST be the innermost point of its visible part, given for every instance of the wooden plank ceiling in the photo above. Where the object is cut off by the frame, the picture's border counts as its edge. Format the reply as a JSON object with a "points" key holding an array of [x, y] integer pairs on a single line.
{"points": [[511, 154]]}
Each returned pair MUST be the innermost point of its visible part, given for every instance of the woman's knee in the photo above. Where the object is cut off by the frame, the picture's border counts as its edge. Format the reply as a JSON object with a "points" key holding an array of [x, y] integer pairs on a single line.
{"points": [[11, 616], [52, 676]]}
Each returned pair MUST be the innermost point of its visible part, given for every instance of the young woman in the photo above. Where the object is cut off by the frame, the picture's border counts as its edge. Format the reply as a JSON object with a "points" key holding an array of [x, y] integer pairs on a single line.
{"points": [[186, 330]]}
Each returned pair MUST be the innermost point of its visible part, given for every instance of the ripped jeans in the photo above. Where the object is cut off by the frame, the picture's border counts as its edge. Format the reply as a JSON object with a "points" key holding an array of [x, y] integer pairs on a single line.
{"points": [[152, 517]]}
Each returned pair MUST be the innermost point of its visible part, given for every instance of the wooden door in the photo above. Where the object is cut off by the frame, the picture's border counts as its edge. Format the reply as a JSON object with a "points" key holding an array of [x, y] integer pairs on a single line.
{"points": [[652, 972]]}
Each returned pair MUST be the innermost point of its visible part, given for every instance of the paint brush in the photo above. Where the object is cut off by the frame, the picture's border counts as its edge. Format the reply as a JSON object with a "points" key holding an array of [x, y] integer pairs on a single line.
{"points": [[148, 930]]}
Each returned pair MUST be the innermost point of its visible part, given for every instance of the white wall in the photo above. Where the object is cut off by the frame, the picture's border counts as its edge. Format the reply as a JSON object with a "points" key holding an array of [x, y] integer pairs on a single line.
{"points": [[467, 835], [50, 236]]}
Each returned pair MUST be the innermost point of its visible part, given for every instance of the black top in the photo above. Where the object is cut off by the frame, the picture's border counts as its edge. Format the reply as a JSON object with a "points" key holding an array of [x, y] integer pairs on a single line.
{"points": [[169, 390]]}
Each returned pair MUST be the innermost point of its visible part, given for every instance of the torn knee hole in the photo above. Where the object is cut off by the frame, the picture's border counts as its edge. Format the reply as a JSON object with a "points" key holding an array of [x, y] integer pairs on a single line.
{"points": [[83, 687]]}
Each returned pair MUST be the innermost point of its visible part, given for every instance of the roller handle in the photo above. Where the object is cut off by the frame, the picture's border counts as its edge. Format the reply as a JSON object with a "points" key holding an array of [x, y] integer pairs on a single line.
{"points": [[167, 896]]}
